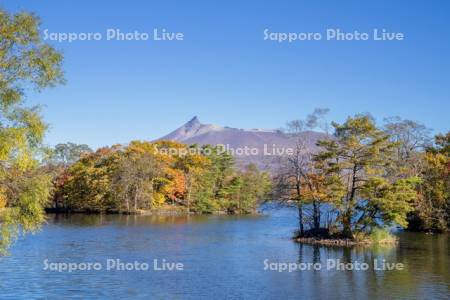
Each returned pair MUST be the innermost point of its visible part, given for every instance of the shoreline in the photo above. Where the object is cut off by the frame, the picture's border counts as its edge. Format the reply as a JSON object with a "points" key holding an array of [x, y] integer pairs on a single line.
{"points": [[165, 211], [341, 242], [324, 238]]}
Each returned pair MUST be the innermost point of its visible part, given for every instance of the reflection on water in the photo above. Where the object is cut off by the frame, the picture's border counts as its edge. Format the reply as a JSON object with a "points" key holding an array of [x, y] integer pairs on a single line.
{"points": [[223, 258]]}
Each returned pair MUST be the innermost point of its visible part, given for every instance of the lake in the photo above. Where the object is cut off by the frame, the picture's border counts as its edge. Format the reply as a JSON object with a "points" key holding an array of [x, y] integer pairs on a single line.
{"points": [[223, 257]]}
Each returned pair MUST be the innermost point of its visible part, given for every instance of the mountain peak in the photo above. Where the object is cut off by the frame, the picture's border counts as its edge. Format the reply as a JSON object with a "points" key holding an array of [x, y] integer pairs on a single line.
{"points": [[188, 130], [192, 126], [193, 121]]}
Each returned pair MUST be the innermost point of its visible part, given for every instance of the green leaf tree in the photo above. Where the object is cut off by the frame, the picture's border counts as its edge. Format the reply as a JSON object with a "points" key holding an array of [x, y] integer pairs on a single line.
{"points": [[68, 153], [25, 63]]}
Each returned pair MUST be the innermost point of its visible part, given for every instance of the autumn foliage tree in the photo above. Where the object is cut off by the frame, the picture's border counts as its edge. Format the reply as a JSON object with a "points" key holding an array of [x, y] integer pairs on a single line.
{"points": [[432, 206], [25, 63], [296, 180], [146, 176]]}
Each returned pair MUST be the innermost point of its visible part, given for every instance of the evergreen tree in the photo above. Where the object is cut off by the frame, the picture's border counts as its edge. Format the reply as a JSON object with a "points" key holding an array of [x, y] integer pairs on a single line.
{"points": [[356, 164]]}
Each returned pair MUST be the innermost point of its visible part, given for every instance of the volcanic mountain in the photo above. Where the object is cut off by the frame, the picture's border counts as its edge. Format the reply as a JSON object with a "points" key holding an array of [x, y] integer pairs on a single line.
{"points": [[259, 146]]}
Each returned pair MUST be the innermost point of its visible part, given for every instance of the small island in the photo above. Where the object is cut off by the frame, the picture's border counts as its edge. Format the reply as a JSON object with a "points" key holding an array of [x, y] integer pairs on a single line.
{"points": [[365, 179]]}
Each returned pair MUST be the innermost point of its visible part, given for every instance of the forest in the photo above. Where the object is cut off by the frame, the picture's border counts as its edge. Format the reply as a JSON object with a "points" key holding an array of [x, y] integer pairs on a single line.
{"points": [[150, 176]]}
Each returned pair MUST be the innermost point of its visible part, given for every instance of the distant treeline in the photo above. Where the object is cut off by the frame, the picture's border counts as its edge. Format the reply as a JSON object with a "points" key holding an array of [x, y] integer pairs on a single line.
{"points": [[147, 176]]}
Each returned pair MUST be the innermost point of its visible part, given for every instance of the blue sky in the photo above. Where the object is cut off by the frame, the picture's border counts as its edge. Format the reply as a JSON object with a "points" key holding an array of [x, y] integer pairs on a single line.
{"points": [[225, 73]]}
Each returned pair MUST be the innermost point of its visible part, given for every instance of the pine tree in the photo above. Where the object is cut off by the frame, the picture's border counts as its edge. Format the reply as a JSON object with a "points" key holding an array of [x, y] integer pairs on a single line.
{"points": [[356, 165]]}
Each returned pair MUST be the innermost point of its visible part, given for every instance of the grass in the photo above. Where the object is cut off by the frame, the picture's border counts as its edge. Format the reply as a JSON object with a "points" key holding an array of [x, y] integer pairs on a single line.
{"points": [[382, 236]]}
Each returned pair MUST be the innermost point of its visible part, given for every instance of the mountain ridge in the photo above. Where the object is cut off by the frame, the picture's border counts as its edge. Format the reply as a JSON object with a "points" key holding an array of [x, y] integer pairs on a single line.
{"points": [[262, 142]]}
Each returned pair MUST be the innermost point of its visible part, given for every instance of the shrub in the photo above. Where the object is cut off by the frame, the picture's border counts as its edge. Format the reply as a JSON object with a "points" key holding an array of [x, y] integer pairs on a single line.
{"points": [[382, 236]]}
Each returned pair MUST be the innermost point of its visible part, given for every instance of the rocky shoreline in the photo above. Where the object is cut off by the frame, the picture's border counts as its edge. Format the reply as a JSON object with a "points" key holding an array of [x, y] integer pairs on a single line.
{"points": [[342, 242], [323, 237]]}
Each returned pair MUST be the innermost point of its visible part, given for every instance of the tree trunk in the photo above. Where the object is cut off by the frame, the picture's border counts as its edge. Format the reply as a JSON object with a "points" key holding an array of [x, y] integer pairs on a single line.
{"points": [[188, 196], [316, 215], [347, 217], [300, 219], [299, 206], [347, 227], [136, 199]]}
